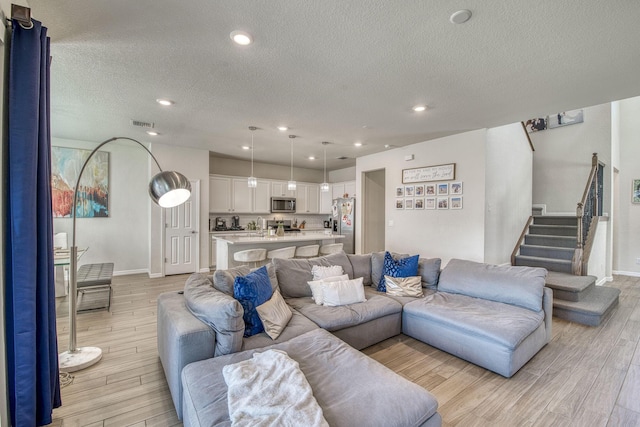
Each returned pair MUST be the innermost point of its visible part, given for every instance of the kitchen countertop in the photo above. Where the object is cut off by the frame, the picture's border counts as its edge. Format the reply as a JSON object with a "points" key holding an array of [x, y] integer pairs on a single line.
{"points": [[288, 237]]}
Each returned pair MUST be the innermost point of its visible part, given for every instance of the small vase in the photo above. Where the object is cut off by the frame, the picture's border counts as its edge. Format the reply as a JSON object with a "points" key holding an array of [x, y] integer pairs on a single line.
{"points": [[280, 232]]}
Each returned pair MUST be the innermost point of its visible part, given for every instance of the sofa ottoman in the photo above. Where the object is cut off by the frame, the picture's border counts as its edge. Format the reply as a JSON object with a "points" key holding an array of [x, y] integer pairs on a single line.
{"points": [[351, 388]]}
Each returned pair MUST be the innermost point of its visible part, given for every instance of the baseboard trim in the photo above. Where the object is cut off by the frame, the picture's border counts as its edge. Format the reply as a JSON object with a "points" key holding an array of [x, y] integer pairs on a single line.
{"points": [[204, 270], [601, 282], [155, 275], [627, 273], [573, 214], [128, 272]]}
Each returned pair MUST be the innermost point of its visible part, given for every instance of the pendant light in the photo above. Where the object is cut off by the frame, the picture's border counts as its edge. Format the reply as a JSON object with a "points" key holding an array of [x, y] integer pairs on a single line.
{"points": [[324, 187], [291, 185], [252, 181]]}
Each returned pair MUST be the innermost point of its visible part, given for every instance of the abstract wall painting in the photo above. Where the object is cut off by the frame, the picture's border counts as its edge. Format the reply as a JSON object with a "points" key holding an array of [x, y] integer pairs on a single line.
{"points": [[93, 195]]}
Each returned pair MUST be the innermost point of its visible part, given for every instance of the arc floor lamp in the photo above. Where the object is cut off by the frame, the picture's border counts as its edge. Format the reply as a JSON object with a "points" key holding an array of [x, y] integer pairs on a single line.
{"points": [[167, 189]]}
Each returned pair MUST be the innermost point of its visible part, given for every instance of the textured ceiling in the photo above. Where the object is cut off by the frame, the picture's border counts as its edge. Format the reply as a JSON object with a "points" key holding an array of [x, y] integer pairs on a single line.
{"points": [[331, 70]]}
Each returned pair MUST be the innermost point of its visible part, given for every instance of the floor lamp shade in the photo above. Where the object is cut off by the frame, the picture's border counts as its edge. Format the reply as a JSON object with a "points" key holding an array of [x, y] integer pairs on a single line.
{"points": [[167, 189]]}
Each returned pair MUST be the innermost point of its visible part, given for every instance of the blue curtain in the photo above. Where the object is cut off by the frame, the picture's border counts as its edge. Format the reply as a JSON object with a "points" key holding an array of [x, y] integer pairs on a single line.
{"points": [[32, 349]]}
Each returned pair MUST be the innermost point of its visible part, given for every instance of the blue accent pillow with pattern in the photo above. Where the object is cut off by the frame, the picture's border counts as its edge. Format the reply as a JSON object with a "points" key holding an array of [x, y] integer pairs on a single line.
{"points": [[403, 267], [252, 290]]}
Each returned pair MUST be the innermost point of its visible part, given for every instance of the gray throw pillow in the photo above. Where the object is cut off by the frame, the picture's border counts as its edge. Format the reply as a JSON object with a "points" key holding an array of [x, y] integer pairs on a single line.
{"points": [[221, 312], [429, 269], [223, 279], [361, 267], [293, 275]]}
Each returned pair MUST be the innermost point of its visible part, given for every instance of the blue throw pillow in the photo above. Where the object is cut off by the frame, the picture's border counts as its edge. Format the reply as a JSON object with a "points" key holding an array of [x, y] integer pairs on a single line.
{"points": [[252, 290], [404, 267]]}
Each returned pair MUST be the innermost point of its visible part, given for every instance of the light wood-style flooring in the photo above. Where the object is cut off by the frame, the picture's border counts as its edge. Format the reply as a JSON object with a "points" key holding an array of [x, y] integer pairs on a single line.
{"points": [[585, 377]]}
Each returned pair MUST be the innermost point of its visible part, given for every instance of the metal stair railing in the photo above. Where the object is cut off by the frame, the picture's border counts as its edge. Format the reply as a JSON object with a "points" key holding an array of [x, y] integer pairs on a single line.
{"points": [[588, 207]]}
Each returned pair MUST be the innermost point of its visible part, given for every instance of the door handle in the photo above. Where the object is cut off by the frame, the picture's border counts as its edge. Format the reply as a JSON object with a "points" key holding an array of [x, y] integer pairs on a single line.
{"points": [[193, 232]]}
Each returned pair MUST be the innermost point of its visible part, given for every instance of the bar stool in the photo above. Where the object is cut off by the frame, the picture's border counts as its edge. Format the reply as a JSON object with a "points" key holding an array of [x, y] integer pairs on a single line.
{"points": [[308, 251], [251, 255], [331, 248], [285, 253]]}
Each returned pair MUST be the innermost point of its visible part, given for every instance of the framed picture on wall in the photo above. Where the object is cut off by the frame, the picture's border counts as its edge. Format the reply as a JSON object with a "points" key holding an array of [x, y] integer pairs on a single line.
{"points": [[419, 190], [443, 203], [409, 190], [399, 191], [419, 203], [408, 204], [399, 203], [456, 187], [635, 190], [430, 190], [430, 203], [455, 202], [443, 189]]}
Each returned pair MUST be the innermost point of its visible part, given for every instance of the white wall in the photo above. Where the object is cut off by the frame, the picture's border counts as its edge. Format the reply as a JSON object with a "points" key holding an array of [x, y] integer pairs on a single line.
{"points": [[123, 237], [628, 228], [508, 194], [194, 164], [341, 175], [562, 160], [236, 167], [433, 233]]}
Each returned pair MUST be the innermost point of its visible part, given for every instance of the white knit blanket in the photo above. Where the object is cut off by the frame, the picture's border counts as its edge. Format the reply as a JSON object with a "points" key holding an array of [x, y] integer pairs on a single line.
{"points": [[270, 390]]}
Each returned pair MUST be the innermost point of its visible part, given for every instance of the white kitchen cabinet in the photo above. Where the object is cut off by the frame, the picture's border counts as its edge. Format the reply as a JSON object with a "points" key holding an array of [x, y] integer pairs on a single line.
{"points": [[325, 202], [339, 189], [279, 189], [233, 195], [262, 197], [219, 194], [307, 199]]}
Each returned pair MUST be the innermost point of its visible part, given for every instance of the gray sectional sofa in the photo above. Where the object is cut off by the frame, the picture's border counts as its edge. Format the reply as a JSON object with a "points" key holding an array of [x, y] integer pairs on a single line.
{"points": [[496, 317]]}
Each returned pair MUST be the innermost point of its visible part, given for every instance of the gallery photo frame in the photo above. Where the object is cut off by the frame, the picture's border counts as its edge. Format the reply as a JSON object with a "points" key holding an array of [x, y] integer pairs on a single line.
{"points": [[635, 191]]}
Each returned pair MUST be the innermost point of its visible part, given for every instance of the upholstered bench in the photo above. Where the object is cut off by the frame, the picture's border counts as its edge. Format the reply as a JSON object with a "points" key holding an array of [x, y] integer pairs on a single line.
{"points": [[351, 388], [95, 277]]}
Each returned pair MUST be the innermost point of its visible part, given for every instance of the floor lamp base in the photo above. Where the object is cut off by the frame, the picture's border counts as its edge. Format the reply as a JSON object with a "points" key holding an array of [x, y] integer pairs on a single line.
{"points": [[82, 358]]}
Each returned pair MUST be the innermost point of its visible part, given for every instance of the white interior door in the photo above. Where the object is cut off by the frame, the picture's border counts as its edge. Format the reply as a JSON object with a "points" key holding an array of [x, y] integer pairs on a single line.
{"points": [[181, 235]]}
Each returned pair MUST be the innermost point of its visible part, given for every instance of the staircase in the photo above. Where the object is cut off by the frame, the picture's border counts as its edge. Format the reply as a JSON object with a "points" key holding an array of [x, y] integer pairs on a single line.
{"points": [[550, 243]]}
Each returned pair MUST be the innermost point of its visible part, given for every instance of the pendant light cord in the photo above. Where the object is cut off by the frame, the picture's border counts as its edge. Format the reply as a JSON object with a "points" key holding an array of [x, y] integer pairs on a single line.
{"points": [[291, 159], [252, 153]]}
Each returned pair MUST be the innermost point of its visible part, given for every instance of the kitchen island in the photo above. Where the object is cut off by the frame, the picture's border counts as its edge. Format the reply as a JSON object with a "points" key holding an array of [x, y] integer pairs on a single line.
{"points": [[227, 245]]}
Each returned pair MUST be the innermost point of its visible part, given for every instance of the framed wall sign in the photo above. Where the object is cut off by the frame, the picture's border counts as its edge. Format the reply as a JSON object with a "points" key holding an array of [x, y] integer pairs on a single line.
{"points": [[429, 173]]}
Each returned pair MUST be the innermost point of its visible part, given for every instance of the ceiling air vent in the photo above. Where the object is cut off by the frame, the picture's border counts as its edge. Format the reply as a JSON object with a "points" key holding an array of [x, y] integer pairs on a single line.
{"points": [[146, 125], [342, 158]]}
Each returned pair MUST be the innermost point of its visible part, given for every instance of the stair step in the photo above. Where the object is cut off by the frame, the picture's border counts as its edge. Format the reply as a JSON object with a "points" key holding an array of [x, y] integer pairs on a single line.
{"points": [[555, 220], [547, 251], [553, 230], [569, 287], [546, 240], [591, 309], [550, 264]]}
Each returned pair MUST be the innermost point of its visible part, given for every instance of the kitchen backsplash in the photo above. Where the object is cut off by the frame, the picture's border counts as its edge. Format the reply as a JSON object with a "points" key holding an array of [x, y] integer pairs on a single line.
{"points": [[312, 221]]}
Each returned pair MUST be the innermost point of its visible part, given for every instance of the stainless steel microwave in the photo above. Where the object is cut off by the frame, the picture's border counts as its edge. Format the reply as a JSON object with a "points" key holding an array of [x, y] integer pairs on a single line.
{"points": [[283, 204]]}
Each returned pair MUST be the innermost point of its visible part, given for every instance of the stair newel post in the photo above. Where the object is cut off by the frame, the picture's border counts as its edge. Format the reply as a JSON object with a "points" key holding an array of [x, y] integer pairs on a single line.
{"points": [[595, 166], [576, 262]]}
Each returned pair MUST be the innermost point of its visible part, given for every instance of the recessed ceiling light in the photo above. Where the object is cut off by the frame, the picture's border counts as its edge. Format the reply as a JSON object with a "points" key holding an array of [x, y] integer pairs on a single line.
{"points": [[241, 38], [419, 108], [152, 133], [312, 158], [460, 17], [387, 146], [245, 147], [283, 128], [357, 144], [165, 102]]}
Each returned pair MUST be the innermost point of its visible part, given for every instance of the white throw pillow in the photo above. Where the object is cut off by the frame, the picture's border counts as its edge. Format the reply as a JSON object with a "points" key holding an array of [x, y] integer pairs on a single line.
{"points": [[343, 292], [275, 315], [320, 272], [316, 287], [404, 286]]}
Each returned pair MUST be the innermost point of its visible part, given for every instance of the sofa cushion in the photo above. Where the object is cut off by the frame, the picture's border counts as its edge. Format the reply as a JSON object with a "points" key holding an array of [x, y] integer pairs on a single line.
{"points": [[429, 270], [298, 325], [221, 312], [293, 274], [252, 290], [274, 314], [521, 286], [505, 324], [223, 279], [377, 265], [342, 292], [336, 318], [403, 267], [361, 265], [404, 286], [370, 292]]}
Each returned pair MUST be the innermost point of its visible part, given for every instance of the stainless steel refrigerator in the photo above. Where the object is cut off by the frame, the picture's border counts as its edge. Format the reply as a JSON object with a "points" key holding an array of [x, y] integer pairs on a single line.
{"points": [[344, 222]]}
